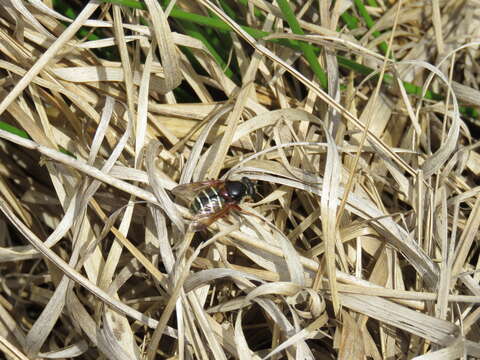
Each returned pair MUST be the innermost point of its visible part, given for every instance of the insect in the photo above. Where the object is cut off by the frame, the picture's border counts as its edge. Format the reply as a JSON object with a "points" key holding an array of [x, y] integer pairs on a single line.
{"points": [[214, 199]]}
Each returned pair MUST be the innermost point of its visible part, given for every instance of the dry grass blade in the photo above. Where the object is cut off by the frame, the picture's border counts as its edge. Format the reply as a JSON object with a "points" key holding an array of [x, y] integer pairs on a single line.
{"points": [[329, 205], [49, 54], [354, 236], [168, 51], [438, 331], [71, 272]]}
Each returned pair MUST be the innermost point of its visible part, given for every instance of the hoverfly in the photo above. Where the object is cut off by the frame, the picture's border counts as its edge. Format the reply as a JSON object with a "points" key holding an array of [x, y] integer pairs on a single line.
{"points": [[214, 199]]}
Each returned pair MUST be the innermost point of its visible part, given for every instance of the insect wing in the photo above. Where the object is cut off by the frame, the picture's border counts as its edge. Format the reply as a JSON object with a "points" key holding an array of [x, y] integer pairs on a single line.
{"points": [[190, 191], [202, 220]]}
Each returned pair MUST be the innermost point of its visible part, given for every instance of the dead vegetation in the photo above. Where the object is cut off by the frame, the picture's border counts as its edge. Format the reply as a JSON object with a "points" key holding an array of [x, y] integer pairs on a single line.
{"points": [[365, 243]]}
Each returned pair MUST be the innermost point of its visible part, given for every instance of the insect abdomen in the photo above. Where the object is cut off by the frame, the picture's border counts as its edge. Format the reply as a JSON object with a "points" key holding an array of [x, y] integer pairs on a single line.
{"points": [[207, 201]]}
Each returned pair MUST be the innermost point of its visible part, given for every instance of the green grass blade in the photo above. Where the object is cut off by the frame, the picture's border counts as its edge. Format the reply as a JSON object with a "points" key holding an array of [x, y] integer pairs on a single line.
{"points": [[306, 48], [370, 23], [258, 34]]}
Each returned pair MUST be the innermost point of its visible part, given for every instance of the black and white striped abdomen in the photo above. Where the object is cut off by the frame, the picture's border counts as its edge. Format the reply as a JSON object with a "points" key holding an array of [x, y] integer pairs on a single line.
{"points": [[207, 202]]}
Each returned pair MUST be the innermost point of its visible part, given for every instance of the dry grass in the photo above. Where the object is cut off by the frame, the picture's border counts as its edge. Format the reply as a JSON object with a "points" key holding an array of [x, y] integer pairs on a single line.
{"points": [[364, 245]]}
